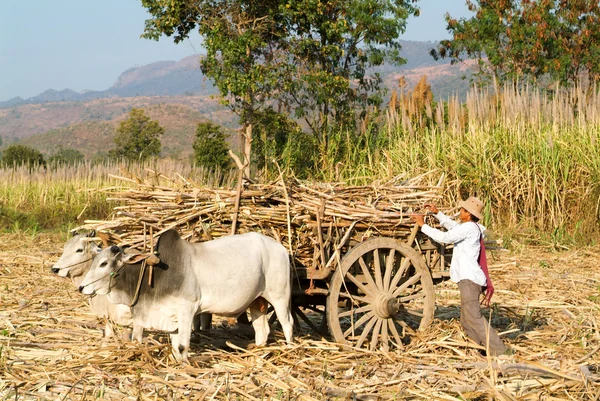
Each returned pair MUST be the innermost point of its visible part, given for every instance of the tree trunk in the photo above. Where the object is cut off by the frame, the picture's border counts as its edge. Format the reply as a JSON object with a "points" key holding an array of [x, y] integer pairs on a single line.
{"points": [[247, 149]]}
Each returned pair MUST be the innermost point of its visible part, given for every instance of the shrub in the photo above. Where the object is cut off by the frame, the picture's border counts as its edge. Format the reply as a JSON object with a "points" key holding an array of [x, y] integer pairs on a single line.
{"points": [[18, 155], [210, 147], [66, 156], [138, 137]]}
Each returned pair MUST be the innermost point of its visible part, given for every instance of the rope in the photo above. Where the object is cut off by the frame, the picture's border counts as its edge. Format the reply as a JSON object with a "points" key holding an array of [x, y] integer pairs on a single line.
{"points": [[115, 274], [75, 264], [139, 284]]}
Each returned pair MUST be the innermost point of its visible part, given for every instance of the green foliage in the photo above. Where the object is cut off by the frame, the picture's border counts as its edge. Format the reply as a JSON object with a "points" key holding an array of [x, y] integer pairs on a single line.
{"points": [[137, 137], [270, 137], [300, 155], [511, 39], [333, 44], [243, 51], [18, 155], [312, 56], [33, 199], [210, 147], [66, 156], [100, 158]]}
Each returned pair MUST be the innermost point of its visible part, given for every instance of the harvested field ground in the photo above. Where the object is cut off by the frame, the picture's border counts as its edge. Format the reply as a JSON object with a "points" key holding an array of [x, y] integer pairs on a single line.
{"points": [[546, 304]]}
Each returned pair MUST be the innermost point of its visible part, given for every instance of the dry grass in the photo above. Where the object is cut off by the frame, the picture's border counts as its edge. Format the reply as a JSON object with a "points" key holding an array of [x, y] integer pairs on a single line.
{"points": [[546, 303]]}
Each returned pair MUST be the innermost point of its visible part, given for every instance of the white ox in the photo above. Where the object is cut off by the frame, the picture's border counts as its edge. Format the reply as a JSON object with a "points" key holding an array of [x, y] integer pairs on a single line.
{"points": [[225, 277], [74, 263]]}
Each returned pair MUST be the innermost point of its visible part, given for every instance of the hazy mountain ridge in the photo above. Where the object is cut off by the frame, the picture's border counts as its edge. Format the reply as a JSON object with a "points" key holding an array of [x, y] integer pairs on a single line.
{"points": [[163, 78], [172, 78], [92, 137], [86, 120]]}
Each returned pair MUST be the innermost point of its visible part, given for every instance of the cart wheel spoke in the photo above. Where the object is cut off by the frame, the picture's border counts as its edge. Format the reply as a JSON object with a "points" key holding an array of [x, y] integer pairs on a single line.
{"points": [[362, 309], [366, 331], [355, 298], [389, 266], [401, 270], [394, 330], [413, 297], [359, 284], [414, 312], [367, 274], [413, 280], [383, 286], [375, 336], [377, 268], [384, 334], [355, 325], [406, 327]]}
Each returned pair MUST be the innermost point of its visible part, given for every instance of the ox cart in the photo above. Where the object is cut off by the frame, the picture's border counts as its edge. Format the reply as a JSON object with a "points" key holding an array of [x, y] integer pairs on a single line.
{"points": [[376, 292], [361, 268]]}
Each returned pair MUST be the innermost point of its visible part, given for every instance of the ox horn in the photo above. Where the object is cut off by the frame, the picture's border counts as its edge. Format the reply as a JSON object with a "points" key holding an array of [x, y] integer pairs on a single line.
{"points": [[104, 238]]}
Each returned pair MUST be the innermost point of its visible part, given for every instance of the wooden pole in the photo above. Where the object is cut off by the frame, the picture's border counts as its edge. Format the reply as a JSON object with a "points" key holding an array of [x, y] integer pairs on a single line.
{"points": [[238, 194]]}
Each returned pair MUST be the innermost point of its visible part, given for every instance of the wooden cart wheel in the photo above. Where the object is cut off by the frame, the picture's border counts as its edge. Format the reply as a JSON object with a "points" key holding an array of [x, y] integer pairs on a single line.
{"points": [[381, 293]]}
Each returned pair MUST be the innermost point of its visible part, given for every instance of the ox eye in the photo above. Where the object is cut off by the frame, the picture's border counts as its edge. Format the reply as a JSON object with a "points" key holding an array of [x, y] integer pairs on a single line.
{"points": [[79, 250], [103, 264]]}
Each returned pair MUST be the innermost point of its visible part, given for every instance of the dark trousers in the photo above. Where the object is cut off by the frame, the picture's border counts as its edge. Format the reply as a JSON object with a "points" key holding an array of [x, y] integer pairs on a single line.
{"points": [[474, 324]]}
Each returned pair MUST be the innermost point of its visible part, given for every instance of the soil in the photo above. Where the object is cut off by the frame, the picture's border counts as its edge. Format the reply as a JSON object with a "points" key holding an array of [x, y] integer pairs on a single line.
{"points": [[545, 307]]}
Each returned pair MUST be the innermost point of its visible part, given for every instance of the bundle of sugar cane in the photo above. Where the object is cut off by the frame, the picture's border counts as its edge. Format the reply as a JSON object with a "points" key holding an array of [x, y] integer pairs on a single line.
{"points": [[291, 211]]}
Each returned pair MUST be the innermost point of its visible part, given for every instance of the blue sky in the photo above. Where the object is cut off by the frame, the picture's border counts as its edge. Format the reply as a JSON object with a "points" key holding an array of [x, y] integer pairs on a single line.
{"points": [[85, 44]]}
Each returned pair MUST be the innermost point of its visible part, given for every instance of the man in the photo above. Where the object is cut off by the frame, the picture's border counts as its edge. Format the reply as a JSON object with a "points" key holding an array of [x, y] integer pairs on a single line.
{"points": [[465, 269]]}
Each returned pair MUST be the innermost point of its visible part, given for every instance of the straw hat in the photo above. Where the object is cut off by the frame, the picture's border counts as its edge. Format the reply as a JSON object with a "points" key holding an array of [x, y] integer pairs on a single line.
{"points": [[473, 206]]}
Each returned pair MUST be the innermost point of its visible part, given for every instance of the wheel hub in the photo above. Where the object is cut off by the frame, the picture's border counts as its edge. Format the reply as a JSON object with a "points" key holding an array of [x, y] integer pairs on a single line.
{"points": [[381, 306]]}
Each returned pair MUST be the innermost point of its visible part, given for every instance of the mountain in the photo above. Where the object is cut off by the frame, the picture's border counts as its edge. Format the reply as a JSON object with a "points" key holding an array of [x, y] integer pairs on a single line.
{"points": [[179, 96], [171, 78], [90, 126], [163, 78], [52, 95]]}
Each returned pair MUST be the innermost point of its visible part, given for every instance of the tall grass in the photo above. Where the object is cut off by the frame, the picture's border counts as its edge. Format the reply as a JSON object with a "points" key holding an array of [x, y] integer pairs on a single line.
{"points": [[532, 155], [61, 197]]}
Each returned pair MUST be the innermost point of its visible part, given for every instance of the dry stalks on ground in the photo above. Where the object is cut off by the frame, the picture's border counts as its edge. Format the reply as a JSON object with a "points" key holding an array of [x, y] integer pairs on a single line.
{"points": [[51, 346]]}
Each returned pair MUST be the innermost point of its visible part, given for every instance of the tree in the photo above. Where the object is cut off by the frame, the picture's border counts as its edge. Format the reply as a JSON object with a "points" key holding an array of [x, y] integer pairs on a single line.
{"points": [[311, 56], [241, 38], [66, 156], [210, 147], [334, 45], [272, 134], [524, 38], [18, 155], [137, 137]]}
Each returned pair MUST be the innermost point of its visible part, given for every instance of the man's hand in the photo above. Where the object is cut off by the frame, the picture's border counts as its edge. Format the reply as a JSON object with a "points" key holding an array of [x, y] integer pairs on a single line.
{"points": [[418, 218], [433, 208]]}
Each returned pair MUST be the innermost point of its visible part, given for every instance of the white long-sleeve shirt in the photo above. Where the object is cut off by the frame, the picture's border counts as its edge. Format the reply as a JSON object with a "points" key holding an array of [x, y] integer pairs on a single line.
{"points": [[465, 237]]}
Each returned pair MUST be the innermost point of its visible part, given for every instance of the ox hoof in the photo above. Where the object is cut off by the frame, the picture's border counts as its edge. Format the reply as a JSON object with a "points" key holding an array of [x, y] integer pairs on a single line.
{"points": [[256, 346]]}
